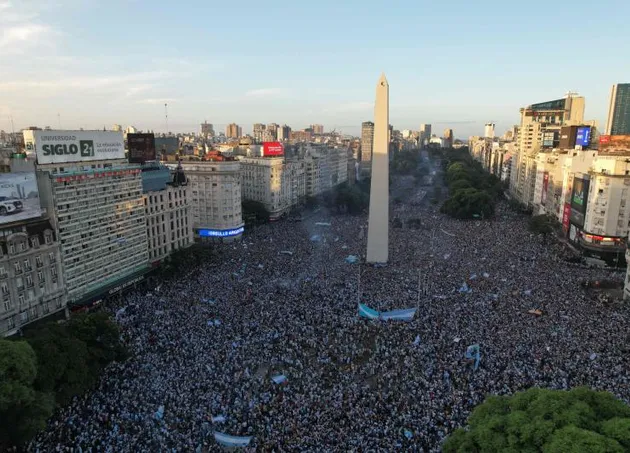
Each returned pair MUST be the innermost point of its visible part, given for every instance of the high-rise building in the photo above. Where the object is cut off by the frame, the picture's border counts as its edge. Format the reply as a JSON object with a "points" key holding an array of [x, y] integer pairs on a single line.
{"points": [[215, 197], [207, 129], [448, 138], [318, 129], [258, 132], [489, 131], [94, 199], [233, 131], [540, 127], [619, 110], [273, 131], [425, 134], [367, 141], [284, 133]]}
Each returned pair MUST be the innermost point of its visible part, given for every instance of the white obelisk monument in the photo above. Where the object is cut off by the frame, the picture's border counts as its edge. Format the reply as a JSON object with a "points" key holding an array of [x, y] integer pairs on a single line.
{"points": [[378, 227]]}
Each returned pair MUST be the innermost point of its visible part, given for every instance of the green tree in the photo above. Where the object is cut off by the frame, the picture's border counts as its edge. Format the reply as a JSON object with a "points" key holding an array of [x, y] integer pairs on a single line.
{"points": [[101, 336], [23, 410], [63, 362], [549, 421], [468, 204], [254, 212], [540, 224]]}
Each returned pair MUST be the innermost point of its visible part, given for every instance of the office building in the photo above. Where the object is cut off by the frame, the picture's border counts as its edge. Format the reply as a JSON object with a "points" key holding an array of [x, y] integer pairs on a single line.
{"points": [[541, 127], [425, 134], [268, 181], [258, 132], [167, 211], [318, 129], [94, 199], [215, 198], [31, 277], [619, 110], [233, 131], [448, 138], [284, 133]]}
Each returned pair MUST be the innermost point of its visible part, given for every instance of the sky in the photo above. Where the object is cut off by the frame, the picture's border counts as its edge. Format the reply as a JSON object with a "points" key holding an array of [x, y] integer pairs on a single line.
{"points": [[457, 64]]}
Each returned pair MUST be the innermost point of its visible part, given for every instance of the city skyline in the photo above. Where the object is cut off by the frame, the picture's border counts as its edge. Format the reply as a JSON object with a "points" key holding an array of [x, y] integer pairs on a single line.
{"points": [[58, 72]]}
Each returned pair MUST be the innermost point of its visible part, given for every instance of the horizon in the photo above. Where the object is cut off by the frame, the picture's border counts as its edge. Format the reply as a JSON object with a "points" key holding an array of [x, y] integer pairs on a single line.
{"points": [[454, 74]]}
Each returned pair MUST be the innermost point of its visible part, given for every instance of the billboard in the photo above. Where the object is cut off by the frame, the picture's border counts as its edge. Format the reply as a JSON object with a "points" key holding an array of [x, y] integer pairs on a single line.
{"points": [[614, 145], [58, 147], [19, 197], [579, 200], [273, 149], [167, 145], [583, 136], [567, 137], [566, 215], [545, 187], [141, 148]]}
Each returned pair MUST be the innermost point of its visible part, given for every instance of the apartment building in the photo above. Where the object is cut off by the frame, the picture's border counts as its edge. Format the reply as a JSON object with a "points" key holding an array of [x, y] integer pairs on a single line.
{"points": [[167, 211], [215, 199], [31, 277]]}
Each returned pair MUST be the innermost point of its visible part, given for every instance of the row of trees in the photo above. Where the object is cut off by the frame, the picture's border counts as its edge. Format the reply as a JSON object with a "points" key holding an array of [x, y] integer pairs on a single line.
{"points": [[48, 367], [473, 192]]}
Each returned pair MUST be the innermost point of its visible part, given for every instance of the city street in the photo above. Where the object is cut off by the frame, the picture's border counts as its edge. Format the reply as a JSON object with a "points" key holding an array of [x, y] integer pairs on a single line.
{"points": [[208, 345]]}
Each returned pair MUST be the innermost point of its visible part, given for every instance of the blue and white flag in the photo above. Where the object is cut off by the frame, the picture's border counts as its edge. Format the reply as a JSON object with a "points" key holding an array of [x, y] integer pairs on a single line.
{"points": [[218, 419], [351, 259], [464, 288], [416, 342], [232, 441], [408, 434], [208, 301], [472, 353], [405, 314], [159, 414], [367, 312], [279, 379]]}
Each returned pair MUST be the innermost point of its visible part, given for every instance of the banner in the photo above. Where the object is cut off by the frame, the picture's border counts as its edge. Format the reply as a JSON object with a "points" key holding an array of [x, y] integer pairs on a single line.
{"points": [[232, 441], [405, 314], [472, 353]]}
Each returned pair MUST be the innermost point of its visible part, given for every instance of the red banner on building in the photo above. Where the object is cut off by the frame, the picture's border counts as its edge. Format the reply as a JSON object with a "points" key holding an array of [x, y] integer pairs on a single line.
{"points": [[566, 215], [273, 149]]}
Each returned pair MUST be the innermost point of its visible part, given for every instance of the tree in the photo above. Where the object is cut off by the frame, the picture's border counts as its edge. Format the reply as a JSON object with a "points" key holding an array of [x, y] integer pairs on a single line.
{"points": [[24, 411], [100, 335], [254, 212], [551, 421], [63, 362], [540, 224], [468, 204]]}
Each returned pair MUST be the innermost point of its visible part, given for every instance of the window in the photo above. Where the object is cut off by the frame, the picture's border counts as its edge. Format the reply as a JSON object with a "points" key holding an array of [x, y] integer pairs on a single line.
{"points": [[11, 323], [29, 281], [7, 305], [22, 246], [12, 248], [40, 277], [18, 268], [3, 273], [38, 261], [24, 316], [5, 289], [48, 238], [51, 257], [21, 299], [35, 241], [53, 271], [27, 265]]}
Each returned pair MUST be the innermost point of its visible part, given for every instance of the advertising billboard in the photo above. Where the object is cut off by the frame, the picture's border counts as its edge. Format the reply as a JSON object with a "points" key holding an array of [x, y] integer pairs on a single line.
{"points": [[141, 148], [566, 216], [58, 147], [579, 200], [614, 145], [549, 139], [583, 136], [167, 145], [567, 137], [273, 149], [545, 187], [19, 197]]}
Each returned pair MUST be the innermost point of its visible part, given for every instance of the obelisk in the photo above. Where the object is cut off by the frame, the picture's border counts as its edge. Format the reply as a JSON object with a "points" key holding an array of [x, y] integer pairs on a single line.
{"points": [[378, 226]]}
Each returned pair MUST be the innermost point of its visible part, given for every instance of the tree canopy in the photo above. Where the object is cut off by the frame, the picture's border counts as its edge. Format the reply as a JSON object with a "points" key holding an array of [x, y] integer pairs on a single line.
{"points": [[540, 224], [549, 421]]}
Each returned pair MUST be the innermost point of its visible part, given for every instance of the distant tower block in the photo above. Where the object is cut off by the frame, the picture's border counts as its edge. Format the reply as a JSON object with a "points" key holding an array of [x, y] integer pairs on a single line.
{"points": [[378, 227]]}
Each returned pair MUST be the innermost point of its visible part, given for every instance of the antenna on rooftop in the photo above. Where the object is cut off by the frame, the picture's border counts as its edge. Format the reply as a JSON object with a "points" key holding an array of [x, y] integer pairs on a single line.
{"points": [[166, 116]]}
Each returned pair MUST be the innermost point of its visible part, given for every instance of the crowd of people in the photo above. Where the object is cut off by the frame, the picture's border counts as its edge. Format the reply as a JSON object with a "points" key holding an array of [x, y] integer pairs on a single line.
{"points": [[204, 347]]}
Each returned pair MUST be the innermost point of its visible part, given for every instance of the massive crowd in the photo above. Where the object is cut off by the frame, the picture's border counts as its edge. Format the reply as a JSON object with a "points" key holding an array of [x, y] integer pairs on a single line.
{"points": [[352, 384]]}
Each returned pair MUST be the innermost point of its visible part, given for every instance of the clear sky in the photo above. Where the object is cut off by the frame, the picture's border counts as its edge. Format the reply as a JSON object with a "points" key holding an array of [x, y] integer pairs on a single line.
{"points": [[458, 64]]}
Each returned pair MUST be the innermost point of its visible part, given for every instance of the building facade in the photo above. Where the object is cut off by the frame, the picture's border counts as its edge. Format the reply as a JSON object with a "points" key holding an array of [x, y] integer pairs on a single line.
{"points": [[425, 134], [233, 131], [284, 133], [167, 211], [215, 197], [318, 129], [31, 278], [448, 138], [619, 110], [258, 132], [98, 216]]}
